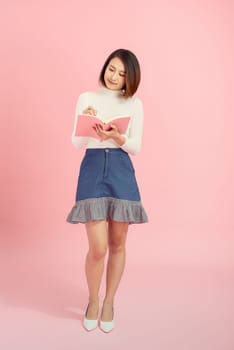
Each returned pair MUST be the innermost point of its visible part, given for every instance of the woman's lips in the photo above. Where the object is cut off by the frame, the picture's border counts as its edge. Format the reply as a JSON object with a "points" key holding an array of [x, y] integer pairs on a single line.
{"points": [[112, 82]]}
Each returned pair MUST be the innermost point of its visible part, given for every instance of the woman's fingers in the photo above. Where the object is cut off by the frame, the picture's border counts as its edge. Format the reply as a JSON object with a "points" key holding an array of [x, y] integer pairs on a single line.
{"points": [[90, 110], [114, 127], [98, 128]]}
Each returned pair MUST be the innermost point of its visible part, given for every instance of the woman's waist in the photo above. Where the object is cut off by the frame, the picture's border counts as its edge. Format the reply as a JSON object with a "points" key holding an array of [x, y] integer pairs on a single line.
{"points": [[96, 144], [105, 150]]}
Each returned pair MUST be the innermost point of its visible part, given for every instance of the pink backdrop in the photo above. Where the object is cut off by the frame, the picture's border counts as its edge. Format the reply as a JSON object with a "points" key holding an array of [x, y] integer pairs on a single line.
{"points": [[51, 51]]}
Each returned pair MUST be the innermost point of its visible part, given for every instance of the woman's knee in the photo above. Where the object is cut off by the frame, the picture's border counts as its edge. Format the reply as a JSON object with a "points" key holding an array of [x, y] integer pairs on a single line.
{"points": [[117, 236], [98, 253], [117, 244], [116, 248], [98, 239]]}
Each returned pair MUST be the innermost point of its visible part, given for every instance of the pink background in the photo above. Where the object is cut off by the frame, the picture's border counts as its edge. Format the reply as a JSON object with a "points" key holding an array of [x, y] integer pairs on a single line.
{"points": [[177, 289]]}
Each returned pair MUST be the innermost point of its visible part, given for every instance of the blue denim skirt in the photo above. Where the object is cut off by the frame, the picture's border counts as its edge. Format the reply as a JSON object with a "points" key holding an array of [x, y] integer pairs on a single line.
{"points": [[107, 188]]}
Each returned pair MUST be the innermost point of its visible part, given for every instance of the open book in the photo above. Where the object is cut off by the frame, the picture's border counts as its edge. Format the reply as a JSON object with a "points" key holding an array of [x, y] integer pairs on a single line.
{"points": [[85, 123]]}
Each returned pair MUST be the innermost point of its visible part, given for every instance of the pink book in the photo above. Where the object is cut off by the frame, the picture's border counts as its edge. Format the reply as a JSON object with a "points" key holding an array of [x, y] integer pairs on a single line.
{"points": [[85, 123]]}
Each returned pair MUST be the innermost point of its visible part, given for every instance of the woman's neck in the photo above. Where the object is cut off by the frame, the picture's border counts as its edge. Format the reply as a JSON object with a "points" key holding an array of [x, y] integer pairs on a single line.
{"points": [[110, 92]]}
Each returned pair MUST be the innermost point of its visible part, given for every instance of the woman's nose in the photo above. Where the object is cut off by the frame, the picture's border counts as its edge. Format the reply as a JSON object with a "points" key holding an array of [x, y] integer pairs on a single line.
{"points": [[114, 76]]}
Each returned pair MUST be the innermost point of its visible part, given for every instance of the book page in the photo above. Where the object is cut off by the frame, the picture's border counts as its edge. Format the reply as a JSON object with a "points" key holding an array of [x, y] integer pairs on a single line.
{"points": [[85, 124]]}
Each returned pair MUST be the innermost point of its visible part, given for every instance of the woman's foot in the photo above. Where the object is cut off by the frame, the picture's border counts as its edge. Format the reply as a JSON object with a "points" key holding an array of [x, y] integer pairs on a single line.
{"points": [[92, 310], [91, 316], [107, 317]]}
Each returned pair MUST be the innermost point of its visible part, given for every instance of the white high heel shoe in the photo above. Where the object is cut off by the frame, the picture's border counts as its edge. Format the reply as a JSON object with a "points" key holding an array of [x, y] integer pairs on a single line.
{"points": [[89, 325], [107, 326]]}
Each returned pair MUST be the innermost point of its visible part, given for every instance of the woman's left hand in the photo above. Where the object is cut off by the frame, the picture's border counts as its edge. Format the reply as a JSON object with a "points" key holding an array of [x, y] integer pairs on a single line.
{"points": [[113, 133]]}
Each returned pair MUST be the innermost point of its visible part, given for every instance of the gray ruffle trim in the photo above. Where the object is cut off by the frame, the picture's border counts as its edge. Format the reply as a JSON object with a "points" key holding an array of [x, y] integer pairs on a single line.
{"points": [[106, 207]]}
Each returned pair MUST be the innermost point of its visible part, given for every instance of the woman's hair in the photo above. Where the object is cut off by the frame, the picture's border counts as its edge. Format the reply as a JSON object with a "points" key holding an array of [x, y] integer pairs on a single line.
{"points": [[132, 68]]}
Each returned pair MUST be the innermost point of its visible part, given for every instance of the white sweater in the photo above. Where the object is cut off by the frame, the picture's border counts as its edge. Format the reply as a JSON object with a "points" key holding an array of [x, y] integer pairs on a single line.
{"points": [[109, 103]]}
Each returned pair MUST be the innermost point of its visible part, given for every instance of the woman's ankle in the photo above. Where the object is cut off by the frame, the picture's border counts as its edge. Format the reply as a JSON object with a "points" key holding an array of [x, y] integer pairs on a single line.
{"points": [[93, 300], [108, 301]]}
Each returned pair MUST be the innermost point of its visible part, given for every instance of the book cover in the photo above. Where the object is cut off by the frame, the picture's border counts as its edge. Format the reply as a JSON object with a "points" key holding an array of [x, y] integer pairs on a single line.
{"points": [[85, 123]]}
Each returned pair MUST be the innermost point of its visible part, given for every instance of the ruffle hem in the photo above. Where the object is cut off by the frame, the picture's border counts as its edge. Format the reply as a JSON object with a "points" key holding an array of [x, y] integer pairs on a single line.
{"points": [[105, 208]]}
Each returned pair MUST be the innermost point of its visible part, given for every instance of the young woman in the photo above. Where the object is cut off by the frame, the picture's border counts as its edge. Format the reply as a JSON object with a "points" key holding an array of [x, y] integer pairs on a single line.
{"points": [[107, 197]]}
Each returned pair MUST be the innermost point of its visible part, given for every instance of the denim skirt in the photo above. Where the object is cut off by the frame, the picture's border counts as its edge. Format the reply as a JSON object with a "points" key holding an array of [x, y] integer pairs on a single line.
{"points": [[107, 188]]}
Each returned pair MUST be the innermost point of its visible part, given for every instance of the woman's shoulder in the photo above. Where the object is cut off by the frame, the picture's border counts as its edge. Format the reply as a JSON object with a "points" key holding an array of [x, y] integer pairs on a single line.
{"points": [[87, 95], [84, 94]]}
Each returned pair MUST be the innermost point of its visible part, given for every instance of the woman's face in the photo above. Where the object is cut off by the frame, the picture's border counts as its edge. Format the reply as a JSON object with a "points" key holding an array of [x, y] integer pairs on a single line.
{"points": [[114, 76]]}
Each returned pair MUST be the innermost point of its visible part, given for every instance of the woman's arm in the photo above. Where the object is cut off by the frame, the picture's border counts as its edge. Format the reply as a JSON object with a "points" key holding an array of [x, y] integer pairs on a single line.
{"points": [[132, 142], [79, 141]]}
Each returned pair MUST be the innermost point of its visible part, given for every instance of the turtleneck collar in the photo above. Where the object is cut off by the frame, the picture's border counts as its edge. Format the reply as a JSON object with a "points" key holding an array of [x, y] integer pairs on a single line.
{"points": [[115, 93]]}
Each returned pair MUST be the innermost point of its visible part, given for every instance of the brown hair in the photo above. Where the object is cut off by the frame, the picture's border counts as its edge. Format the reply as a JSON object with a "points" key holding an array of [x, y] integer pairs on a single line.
{"points": [[132, 68]]}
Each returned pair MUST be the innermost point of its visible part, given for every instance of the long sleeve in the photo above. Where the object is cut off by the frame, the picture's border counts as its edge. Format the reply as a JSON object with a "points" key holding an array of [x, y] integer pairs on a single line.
{"points": [[79, 141], [133, 140]]}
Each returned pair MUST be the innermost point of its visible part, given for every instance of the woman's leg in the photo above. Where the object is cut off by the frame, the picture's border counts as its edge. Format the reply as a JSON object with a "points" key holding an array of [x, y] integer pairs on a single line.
{"points": [[115, 267], [98, 240]]}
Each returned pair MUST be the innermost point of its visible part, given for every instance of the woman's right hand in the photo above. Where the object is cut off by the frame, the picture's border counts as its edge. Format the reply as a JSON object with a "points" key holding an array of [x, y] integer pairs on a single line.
{"points": [[90, 110]]}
